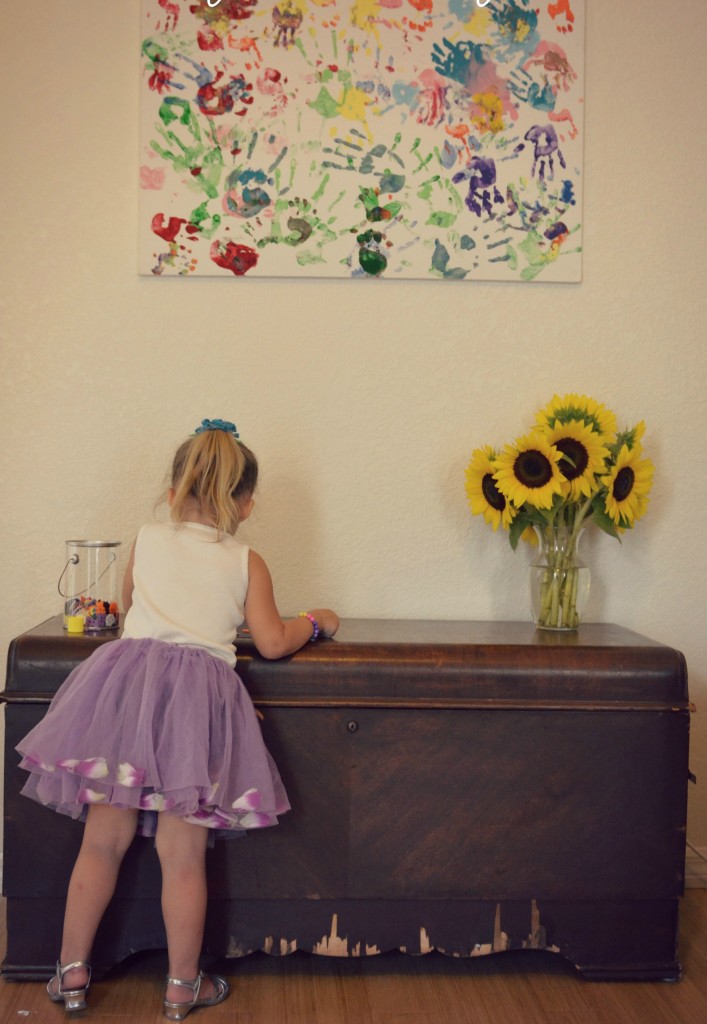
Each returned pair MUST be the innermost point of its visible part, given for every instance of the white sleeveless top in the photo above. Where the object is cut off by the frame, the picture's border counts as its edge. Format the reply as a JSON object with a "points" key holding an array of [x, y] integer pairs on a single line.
{"points": [[189, 587]]}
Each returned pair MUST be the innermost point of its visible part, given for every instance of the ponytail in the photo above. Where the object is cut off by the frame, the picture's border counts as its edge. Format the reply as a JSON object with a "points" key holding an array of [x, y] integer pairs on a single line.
{"points": [[218, 471]]}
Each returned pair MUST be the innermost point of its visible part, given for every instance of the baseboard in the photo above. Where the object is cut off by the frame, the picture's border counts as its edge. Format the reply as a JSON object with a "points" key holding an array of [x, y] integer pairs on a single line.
{"points": [[696, 868]]}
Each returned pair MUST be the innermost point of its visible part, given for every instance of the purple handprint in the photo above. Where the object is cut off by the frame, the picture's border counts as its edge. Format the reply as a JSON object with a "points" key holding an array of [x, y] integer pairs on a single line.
{"points": [[544, 139], [483, 192]]}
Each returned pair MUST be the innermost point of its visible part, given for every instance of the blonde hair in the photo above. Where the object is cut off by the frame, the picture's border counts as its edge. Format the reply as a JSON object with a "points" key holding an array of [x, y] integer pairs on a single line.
{"points": [[218, 471]]}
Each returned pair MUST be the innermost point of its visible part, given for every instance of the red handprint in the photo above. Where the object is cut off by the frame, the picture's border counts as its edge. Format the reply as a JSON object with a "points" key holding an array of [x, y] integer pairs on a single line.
{"points": [[562, 7]]}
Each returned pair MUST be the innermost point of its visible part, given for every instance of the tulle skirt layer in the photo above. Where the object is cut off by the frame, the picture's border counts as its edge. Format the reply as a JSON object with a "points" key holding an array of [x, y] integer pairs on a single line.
{"points": [[158, 728]]}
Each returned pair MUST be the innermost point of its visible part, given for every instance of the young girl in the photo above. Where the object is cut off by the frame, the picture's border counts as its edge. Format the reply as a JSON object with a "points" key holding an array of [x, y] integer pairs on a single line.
{"points": [[155, 733]]}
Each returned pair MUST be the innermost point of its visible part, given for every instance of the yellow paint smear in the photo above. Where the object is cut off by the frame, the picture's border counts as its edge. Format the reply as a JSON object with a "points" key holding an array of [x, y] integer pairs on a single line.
{"points": [[479, 24]]}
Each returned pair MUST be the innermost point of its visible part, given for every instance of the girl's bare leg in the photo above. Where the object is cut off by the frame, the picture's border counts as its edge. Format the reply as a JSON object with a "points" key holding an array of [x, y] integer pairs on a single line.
{"points": [[107, 836], [181, 848]]}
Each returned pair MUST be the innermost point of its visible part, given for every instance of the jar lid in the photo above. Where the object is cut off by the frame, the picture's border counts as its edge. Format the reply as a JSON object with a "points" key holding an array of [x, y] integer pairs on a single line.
{"points": [[96, 543]]}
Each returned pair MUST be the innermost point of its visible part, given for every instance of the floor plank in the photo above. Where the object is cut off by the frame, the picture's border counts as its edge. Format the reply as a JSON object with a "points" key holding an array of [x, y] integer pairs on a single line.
{"points": [[523, 987]]}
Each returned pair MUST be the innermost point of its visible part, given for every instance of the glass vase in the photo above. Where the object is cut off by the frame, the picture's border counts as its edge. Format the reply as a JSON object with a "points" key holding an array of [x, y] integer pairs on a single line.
{"points": [[559, 579]]}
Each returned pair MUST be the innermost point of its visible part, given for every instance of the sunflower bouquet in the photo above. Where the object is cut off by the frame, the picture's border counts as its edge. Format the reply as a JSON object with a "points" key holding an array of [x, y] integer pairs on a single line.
{"points": [[571, 469]]}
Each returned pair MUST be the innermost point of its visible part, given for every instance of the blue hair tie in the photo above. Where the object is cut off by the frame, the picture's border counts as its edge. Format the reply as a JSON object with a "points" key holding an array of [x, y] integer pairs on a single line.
{"points": [[225, 425]]}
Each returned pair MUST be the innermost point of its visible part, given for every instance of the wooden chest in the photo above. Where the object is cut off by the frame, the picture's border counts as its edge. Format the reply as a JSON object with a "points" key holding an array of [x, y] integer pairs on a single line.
{"points": [[469, 787]]}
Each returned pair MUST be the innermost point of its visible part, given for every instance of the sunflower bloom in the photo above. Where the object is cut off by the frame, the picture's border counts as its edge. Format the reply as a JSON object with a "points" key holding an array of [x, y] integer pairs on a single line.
{"points": [[528, 470], [627, 486], [573, 468], [483, 494], [583, 457], [578, 407]]}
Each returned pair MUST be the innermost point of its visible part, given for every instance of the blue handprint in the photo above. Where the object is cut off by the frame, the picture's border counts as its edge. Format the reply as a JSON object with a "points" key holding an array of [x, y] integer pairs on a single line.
{"points": [[529, 91], [454, 61]]}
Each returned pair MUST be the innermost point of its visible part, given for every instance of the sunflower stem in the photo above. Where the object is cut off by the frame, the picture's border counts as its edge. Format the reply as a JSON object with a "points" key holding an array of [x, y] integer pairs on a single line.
{"points": [[559, 577]]}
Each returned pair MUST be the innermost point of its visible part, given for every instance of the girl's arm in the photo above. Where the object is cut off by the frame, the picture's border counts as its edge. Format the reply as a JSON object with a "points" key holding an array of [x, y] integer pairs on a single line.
{"points": [[273, 636], [128, 582]]}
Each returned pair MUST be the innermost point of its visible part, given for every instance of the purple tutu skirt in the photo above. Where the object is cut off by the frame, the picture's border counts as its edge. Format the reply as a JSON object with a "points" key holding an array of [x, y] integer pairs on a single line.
{"points": [[155, 727]]}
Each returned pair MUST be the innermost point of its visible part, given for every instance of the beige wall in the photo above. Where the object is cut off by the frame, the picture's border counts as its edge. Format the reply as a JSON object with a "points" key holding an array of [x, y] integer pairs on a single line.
{"points": [[363, 399]]}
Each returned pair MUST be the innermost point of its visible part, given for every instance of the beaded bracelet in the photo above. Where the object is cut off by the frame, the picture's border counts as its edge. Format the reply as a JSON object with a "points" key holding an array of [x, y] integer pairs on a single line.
{"points": [[315, 624]]}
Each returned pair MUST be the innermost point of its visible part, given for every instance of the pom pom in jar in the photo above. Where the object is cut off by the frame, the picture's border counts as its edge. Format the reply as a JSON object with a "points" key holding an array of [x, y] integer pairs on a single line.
{"points": [[89, 585]]}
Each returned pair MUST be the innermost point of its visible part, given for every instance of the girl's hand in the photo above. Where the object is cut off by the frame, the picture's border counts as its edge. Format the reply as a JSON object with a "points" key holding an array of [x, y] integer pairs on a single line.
{"points": [[273, 636], [327, 620]]}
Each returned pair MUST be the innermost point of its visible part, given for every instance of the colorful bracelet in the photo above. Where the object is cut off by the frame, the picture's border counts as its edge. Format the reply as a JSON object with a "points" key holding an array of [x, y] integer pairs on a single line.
{"points": [[315, 624]]}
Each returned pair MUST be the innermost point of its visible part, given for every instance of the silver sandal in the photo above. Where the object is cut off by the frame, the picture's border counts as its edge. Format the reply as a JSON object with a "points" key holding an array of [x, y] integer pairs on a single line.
{"points": [[178, 1011], [74, 999]]}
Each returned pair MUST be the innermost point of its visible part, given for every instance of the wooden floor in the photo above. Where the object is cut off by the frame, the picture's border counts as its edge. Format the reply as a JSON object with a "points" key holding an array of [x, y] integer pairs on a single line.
{"points": [[526, 987]]}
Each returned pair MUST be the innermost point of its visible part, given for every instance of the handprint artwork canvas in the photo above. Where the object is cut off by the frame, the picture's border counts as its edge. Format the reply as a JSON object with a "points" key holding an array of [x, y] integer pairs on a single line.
{"points": [[425, 139]]}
